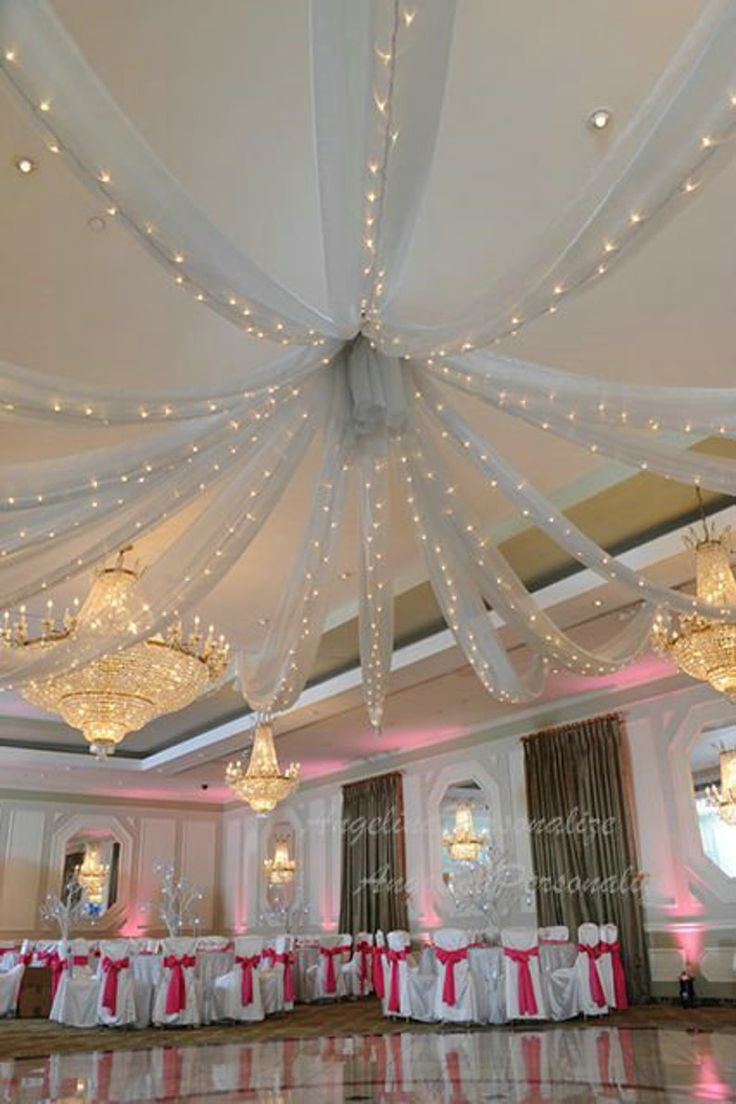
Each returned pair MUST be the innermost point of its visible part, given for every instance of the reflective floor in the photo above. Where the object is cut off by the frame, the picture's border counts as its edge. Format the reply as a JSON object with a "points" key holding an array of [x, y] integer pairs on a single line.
{"points": [[565, 1064]]}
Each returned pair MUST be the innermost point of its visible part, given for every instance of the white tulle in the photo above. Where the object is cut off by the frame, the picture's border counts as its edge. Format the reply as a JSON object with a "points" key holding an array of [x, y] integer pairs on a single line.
{"points": [[378, 75]]}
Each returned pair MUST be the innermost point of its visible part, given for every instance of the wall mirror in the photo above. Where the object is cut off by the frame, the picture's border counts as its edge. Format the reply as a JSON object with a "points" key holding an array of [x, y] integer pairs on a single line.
{"points": [[92, 863], [466, 825], [280, 866], [713, 771]]}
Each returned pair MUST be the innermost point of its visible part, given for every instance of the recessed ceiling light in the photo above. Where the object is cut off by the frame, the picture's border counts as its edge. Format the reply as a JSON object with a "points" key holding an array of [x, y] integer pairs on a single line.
{"points": [[599, 119], [96, 224], [598, 602], [25, 165]]}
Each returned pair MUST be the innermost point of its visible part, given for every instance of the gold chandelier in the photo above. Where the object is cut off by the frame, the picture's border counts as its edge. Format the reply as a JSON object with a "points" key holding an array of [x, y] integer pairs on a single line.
{"points": [[119, 693], [703, 648], [262, 784], [92, 873], [280, 870], [463, 843], [723, 800]]}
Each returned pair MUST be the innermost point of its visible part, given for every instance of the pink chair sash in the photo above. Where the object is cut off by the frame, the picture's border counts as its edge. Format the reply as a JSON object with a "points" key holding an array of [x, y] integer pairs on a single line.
{"points": [[594, 979], [287, 959], [527, 997], [330, 953], [26, 958], [55, 964], [617, 966], [176, 994], [364, 950], [111, 968], [450, 959], [554, 942], [246, 964], [269, 955], [395, 957], [379, 987], [75, 960]]}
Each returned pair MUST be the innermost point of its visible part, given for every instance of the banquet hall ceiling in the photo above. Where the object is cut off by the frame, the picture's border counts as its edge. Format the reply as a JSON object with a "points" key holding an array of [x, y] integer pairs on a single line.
{"points": [[222, 94]]}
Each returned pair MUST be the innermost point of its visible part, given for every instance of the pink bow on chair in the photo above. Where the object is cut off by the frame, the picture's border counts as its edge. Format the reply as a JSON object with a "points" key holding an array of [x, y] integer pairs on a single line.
{"points": [[594, 952], [395, 957], [269, 955], [364, 949], [176, 994], [287, 959], [527, 997], [55, 963], [330, 953], [247, 964], [617, 966], [450, 959], [111, 968], [379, 987]]}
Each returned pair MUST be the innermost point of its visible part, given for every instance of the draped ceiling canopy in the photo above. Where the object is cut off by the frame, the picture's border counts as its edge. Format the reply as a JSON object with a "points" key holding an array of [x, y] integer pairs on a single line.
{"points": [[360, 359]]}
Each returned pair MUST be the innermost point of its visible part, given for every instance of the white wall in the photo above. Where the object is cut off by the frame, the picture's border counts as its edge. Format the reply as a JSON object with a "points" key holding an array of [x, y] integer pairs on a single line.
{"points": [[33, 836]]}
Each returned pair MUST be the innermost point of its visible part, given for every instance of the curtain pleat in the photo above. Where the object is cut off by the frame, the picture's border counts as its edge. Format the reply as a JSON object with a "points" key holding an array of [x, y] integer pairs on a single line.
{"points": [[373, 882], [583, 835]]}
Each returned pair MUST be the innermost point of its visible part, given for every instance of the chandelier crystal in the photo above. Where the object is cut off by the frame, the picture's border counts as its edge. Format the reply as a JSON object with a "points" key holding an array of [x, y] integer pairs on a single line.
{"points": [[703, 648], [121, 692], [92, 874], [280, 869], [262, 784], [723, 800], [463, 843]]}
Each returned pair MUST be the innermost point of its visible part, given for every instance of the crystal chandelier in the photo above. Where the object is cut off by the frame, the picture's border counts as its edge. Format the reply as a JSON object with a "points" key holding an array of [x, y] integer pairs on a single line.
{"points": [[463, 843], [91, 875], [723, 800], [703, 648], [119, 693], [280, 870], [262, 784]]}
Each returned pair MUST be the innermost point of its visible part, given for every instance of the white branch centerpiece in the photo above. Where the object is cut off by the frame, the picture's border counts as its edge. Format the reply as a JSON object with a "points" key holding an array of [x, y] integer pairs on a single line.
{"points": [[68, 910], [177, 903], [484, 886]]}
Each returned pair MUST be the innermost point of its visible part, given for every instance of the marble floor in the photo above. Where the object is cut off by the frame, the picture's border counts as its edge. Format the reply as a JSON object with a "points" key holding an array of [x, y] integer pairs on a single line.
{"points": [[566, 1064]]}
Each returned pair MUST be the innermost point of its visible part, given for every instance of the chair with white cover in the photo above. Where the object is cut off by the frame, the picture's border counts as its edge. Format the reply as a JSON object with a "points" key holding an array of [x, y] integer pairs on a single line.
{"points": [[75, 1000], [455, 998], [523, 984], [559, 977], [325, 980], [237, 994], [176, 999], [10, 981], [409, 988], [116, 1004], [591, 995], [358, 972], [611, 968], [277, 976]]}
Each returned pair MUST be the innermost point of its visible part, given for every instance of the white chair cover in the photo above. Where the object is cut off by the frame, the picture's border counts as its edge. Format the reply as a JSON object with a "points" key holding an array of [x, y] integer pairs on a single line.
{"points": [[523, 985], [591, 995], [176, 999], [610, 968], [116, 1003], [277, 974], [237, 994], [358, 972], [325, 980], [559, 978], [10, 981], [455, 996], [75, 1001], [486, 966]]}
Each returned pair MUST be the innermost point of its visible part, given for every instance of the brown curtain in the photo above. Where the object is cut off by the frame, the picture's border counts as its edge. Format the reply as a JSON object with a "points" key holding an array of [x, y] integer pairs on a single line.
{"points": [[583, 835], [373, 888]]}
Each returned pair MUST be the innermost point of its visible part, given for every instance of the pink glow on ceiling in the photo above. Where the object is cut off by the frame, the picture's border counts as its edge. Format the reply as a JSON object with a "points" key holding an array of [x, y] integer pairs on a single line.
{"points": [[647, 669]]}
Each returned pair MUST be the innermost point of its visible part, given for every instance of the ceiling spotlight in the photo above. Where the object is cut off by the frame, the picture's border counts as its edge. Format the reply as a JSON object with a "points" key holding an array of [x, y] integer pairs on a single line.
{"points": [[598, 602], [599, 119], [96, 224], [25, 165]]}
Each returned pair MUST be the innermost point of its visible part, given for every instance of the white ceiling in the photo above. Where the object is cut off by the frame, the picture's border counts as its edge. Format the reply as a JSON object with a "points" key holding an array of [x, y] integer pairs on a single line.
{"points": [[222, 93]]}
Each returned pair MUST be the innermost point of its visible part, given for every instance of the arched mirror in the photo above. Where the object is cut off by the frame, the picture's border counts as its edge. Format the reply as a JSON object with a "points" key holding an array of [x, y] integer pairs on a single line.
{"points": [[92, 867], [713, 770]]}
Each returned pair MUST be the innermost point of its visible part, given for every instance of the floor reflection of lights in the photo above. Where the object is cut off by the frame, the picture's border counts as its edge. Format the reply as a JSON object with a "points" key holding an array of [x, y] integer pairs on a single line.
{"points": [[534, 1067]]}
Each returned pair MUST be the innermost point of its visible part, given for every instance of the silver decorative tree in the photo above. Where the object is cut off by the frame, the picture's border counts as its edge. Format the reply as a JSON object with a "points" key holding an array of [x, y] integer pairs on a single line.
{"points": [[177, 901], [68, 910], [484, 886]]}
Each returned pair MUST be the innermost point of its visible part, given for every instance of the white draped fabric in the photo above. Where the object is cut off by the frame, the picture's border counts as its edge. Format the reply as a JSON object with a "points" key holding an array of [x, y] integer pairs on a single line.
{"points": [[378, 78]]}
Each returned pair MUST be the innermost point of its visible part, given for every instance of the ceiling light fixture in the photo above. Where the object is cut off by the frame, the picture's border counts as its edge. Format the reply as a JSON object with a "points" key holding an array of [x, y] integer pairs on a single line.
{"points": [[25, 165], [599, 119]]}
